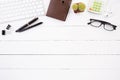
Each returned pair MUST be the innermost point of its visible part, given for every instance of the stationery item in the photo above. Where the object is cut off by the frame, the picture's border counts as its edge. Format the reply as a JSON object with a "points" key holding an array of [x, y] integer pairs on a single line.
{"points": [[29, 26], [96, 6], [3, 32], [79, 7], [11, 10], [7, 30], [108, 14], [58, 9], [108, 11], [98, 23], [8, 27]]}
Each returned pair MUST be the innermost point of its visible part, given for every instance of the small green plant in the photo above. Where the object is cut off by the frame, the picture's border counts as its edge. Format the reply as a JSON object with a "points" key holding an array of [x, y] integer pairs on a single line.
{"points": [[79, 7]]}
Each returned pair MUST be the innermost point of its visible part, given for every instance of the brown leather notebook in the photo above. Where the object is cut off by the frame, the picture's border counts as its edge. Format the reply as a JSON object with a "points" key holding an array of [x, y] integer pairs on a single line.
{"points": [[58, 9]]}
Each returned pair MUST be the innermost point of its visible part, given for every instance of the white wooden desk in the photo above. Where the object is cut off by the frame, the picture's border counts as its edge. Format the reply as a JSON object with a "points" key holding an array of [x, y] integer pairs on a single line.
{"points": [[71, 37], [61, 39]]}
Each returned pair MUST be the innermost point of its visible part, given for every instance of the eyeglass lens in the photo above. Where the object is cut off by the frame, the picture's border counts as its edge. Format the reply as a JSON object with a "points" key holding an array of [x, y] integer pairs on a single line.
{"points": [[96, 23], [108, 27]]}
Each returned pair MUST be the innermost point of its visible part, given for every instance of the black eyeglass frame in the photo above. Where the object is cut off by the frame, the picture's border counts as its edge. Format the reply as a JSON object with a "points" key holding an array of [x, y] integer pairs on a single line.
{"points": [[102, 23]]}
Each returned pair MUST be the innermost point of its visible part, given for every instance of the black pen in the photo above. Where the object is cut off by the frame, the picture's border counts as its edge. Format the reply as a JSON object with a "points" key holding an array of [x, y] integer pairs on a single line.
{"points": [[29, 23], [31, 27]]}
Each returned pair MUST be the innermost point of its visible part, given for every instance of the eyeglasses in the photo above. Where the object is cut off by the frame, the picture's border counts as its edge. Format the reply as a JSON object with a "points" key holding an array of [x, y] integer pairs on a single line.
{"points": [[98, 23]]}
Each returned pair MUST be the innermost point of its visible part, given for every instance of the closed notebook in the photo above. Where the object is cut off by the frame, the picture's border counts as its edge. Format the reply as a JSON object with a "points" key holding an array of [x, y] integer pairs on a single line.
{"points": [[59, 9]]}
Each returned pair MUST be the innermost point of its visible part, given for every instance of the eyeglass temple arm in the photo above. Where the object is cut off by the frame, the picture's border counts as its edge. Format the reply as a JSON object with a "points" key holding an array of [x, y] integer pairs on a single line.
{"points": [[96, 20], [89, 23]]}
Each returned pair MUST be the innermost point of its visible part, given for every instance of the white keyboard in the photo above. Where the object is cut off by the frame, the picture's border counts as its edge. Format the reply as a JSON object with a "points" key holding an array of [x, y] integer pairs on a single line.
{"points": [[11, 10]]}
